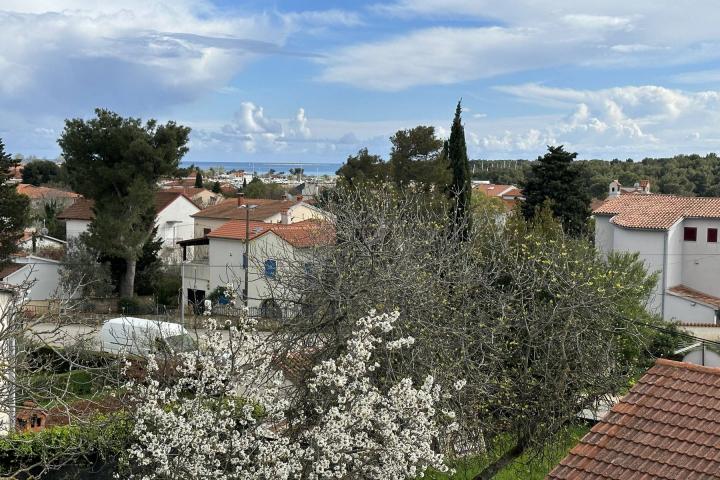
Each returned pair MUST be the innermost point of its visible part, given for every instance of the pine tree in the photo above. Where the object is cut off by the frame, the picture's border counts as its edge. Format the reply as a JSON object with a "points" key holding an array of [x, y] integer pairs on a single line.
{"points": [[216, 187], [198, 180], [117, 162], [14, 210], [460, 188], [557, 180]]}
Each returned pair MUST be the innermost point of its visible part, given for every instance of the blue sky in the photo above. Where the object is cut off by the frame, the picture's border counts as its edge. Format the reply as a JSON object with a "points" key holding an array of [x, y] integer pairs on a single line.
{"points": [[314, 81]]}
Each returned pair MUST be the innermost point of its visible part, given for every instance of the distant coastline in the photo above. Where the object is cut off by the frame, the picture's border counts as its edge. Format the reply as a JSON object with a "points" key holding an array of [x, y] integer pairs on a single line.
{"points": [[264, 167]]}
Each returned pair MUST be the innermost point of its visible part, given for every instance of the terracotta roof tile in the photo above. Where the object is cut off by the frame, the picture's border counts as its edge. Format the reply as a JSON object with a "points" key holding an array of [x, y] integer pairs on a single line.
{"points": [[229, 209], [82, 209], [43, 192], [666, 427], [658, 212], [301, 234], [493, 190]]}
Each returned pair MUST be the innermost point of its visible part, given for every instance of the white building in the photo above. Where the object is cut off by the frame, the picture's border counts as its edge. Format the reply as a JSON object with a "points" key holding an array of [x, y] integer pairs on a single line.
{"points": [[263, 210], [42, 274], [273, 249], [173, 219], [676, 237]]}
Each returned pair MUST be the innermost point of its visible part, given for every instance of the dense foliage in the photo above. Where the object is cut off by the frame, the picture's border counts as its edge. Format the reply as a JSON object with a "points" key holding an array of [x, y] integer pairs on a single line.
{"points": [[557, 181], [14, 210], [38, 172], [117, 162], [692, 175], [538, 324]]}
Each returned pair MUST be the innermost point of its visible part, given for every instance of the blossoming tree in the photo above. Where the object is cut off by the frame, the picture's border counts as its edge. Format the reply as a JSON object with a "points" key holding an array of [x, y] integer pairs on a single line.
{"points": [[225, 414]]}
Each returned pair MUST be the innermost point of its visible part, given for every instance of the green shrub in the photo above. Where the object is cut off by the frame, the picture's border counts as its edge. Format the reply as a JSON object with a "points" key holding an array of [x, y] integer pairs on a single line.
{"points": [[167, 288], [102, 438]]}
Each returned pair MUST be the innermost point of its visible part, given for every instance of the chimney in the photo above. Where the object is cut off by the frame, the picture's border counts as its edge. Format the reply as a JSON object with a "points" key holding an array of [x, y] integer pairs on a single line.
{"points": [[614, 189], [240, 199], [285, 217]]}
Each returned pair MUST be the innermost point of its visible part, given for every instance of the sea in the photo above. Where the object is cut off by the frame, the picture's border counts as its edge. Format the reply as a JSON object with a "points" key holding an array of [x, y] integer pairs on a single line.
{"points": [[264, 167]]}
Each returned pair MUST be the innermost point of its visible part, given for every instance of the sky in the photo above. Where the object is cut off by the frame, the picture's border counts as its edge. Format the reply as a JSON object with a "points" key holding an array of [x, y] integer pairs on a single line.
{"points": [[315, 81]]}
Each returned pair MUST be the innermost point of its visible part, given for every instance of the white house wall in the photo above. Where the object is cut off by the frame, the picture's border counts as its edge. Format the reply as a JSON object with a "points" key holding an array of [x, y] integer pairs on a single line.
{"points": [[73, 228], [225, 265], [687, 311], [45, 278], [181, 226], [604, 234], [5, 309], [700, 260], [650, 245]]}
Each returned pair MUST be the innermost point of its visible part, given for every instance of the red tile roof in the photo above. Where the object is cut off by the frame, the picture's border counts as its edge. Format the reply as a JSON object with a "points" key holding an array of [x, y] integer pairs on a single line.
{"points": [[9, 269], [666, 427], [657, 212], [303, 234], [695, 295], [82, 209], [493, 190], [189, 191], [229, 209], [43, 192]]}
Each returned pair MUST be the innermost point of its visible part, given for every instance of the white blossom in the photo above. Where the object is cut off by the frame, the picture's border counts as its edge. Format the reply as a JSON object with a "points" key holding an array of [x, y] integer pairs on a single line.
{"points": [[226, 415]]}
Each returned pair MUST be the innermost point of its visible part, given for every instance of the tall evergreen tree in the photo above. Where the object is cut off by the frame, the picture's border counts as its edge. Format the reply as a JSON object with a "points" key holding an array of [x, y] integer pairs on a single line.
{"points": [[117, 162], [460, 190], [216, 187], [557, 180], [198, 180], [14, 210]]}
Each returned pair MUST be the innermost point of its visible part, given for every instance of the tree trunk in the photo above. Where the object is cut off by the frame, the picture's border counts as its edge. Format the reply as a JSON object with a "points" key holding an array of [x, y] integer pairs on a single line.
{"points": [[491, 470], [127, 284]]}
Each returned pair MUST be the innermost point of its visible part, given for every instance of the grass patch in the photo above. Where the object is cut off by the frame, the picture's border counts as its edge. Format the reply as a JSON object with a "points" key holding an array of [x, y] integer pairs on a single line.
{"points": [[525, 467]]}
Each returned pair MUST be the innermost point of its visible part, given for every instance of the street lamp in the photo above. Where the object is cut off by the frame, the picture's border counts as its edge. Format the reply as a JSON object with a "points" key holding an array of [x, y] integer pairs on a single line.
{"points": [[247, 248]]}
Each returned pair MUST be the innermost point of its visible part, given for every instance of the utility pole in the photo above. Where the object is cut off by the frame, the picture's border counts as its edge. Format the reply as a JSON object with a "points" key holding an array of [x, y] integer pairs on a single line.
{"points": [[246, 260], [183, 292]]}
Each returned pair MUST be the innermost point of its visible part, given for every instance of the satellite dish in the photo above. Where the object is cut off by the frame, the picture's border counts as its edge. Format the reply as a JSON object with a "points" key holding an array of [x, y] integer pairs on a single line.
{"points": [[44, 231]]}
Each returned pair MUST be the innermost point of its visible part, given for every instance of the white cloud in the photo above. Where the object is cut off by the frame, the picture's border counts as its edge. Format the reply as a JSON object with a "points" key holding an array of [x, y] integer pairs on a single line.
{"points": [[606, 123], [138, 56], [526, 35]]}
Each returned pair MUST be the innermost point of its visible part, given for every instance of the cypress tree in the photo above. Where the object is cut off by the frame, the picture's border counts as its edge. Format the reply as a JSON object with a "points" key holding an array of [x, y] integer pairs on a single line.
{"points": [[460, 187], [198, 180]]}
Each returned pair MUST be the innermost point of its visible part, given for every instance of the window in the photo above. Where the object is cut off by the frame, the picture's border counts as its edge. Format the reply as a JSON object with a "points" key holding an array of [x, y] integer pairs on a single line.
{"points": [[270, 268], [712, 235], [690, 234]]}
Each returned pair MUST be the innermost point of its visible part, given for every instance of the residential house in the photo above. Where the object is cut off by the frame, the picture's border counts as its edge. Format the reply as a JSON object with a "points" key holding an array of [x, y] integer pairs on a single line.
{"points": [[173, 218], [41, 196], [33, 241], [510, 195], [677, 237], [40, 272], [268, 211], [273, 247], [667, 426]]}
